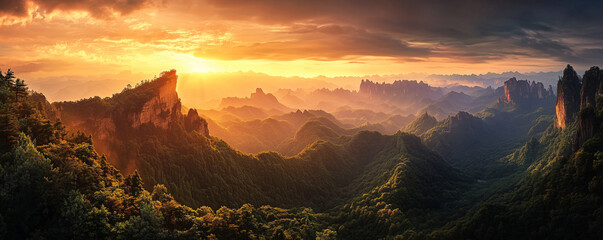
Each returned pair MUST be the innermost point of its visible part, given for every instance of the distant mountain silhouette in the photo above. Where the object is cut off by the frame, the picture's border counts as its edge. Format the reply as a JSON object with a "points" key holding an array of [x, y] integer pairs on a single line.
{"points": [[448, 104], [257, 99]]}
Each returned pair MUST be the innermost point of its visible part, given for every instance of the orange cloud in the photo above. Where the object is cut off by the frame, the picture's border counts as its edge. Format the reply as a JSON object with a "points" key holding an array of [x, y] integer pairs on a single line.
{"points": [[97, 8], [325, 42]]}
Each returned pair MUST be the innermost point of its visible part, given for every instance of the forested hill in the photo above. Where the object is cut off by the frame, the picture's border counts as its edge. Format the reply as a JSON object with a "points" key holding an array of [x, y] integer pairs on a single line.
{"points": [[54, 185], [73, 192], [203, 170], [560, 195], [547, 184]]}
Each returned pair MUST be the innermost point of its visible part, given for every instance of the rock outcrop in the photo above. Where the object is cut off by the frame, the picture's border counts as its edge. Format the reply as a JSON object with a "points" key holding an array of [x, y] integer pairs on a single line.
{"points": [[568, 97], [588, 122], [522, 92], [577, 98], [193, 122], [162, 108], [154, 105], [591, 87]]}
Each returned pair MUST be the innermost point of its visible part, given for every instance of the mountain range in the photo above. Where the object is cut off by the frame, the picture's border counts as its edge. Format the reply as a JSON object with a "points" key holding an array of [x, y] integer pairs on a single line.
{"points": [[517, 162]]}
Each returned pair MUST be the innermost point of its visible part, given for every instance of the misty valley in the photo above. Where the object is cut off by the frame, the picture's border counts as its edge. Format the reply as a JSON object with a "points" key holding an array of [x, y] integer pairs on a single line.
{"points": [[385, 160]]}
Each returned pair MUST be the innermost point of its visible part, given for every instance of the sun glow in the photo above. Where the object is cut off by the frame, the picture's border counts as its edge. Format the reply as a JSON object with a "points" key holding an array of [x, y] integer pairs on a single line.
{"points": [[197, 65]]}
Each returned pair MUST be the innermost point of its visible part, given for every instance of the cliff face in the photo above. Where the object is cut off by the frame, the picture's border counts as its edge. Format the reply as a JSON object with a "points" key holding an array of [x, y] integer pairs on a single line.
{"points": [[162, 108], [591, 82], [111, 121], [568, 97], [588, 122], [575, 96], [522, 92]]}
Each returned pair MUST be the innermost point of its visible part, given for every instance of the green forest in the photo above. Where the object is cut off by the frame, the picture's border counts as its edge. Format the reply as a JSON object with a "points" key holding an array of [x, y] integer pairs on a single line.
{"points": [[503, 173]]}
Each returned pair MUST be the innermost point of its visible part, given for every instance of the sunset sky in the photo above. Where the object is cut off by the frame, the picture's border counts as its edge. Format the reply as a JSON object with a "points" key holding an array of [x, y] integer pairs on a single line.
{"points": [[58, 38]]}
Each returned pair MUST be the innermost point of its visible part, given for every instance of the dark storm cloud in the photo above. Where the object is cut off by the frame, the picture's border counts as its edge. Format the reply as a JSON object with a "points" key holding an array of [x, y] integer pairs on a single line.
{"points": [[538, 28], [97, 8]]}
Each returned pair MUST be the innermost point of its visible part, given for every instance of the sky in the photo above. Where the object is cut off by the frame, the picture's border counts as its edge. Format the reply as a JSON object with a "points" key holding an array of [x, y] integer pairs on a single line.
{"points": [[109, 39]]}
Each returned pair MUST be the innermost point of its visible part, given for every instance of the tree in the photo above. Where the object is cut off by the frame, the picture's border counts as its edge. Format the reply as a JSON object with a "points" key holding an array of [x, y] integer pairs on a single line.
{"points": [[133, 184], [20, 89], [27, 194], [160, 193], [9, 132], [8, 78]]}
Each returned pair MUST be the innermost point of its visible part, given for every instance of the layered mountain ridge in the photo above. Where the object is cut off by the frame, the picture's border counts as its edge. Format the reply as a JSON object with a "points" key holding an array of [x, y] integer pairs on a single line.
{"points": [[504, 172]]}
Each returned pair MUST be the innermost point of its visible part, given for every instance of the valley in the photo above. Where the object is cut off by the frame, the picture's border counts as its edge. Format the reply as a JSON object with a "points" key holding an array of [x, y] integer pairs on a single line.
{"points": [[346, 170]]}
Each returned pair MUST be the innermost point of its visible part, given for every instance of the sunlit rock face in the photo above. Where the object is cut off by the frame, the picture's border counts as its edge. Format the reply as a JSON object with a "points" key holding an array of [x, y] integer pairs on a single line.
{"points": [[568, 97], [193, 122], [162, 108], [112, 121], [521, 92]]}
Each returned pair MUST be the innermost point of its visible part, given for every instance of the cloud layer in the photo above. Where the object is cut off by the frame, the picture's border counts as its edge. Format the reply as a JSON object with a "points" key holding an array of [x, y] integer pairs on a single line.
{"points": [[380, 36], [555, 29], [96, 8]]}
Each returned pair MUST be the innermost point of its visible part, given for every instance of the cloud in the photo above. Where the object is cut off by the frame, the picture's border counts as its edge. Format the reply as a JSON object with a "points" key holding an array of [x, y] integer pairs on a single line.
{"points": [[429, 35], [325, 42], [96, 8], [473, 26]]}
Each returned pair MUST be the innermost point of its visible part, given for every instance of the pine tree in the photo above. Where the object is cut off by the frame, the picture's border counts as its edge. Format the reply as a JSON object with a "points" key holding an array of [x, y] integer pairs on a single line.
{"points": [[8, 79], [20, 89]]}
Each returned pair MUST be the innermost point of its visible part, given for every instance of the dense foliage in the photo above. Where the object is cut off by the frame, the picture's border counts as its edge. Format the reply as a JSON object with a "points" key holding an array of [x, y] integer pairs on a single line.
{"points": [[560, 197], [53, 184], [517, 178]]}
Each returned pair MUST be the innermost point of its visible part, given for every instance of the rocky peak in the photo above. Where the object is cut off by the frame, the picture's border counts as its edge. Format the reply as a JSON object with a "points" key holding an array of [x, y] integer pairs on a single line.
{"points": [[522, 92], [568, 97], [588, 123], [112, 120], [193, 122], [591, 82], [163, 107], [549, 91]]}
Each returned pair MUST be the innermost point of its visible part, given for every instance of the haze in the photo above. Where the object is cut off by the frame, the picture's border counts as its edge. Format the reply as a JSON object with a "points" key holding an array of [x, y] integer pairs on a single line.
{"points": [[64, 42]]}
